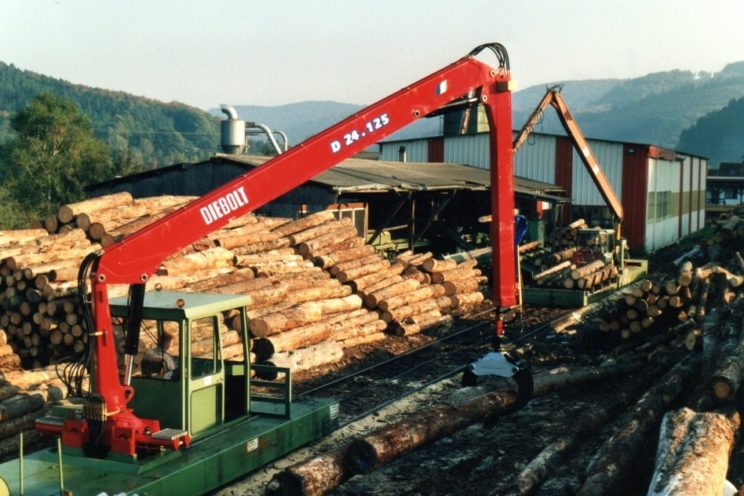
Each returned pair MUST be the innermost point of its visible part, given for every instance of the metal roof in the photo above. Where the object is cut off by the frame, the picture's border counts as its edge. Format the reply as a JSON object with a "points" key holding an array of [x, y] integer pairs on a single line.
{"points": [[369, 176]]}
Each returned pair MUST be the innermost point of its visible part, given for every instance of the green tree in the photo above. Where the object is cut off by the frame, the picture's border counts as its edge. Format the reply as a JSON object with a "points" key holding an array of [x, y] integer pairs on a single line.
{"points": [[52, 155]]}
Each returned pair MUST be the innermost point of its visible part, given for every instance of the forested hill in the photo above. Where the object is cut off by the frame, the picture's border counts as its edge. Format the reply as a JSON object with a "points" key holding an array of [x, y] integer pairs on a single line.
{"points": [[655, 108], [149, 131], [719, 134]]}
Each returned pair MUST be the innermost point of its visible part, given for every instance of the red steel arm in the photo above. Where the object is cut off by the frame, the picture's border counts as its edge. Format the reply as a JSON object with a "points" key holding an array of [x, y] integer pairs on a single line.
{"points": [[135, 258], [553, 97]]}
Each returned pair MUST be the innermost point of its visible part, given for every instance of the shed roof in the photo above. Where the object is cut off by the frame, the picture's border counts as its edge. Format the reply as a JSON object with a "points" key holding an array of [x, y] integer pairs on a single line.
{"points": [[357, 175], [368, 176]]}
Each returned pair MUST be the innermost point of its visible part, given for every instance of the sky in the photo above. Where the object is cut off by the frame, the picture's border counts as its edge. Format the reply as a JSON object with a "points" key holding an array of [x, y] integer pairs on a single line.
{"points": [[251, 52]]}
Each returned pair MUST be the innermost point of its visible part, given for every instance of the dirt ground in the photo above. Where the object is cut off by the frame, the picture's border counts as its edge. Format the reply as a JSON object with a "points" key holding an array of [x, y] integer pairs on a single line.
{"points": [[486, 459]]}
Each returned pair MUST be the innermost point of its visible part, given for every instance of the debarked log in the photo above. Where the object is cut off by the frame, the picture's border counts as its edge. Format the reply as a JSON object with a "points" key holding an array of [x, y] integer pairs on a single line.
{"points": [[693, 453], [613, 460]]}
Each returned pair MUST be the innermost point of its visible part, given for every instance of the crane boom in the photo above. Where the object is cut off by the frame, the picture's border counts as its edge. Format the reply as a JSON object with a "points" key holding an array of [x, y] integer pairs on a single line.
{"points": [[553, 98], [134, 259]]}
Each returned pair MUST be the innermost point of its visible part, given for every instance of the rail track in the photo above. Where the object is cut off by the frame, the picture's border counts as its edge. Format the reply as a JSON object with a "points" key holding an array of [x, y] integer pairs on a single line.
{"points": [[370, 387]]}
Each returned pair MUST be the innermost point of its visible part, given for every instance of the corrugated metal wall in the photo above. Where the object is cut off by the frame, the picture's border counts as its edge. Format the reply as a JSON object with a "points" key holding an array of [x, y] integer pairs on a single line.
{"points": [[536, 159], [662, 223], [472, 150], [610, 157]]}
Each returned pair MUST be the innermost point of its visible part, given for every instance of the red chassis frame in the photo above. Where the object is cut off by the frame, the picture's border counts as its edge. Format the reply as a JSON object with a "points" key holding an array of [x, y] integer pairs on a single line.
{"points": [[134, 259]]}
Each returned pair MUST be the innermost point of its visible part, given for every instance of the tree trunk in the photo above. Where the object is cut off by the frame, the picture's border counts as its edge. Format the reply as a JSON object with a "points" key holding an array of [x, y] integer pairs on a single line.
{"points": [[556, 269], [363, 270], [464, 286], [337, 257], [341, 233], [338, 305], [316, 231], [381, 284], [613, 461], [304, 313], [66, 213], [305, 223], [434, 265], [371, 300], [404, 311], [315, 476], [393, 440], [466, 300], [350, 264], [693, 453], [309, 357], [433, 291], [361, 283]]}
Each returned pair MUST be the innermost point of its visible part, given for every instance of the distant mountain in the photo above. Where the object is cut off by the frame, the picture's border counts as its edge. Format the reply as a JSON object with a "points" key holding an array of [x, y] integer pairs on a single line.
{"points": [[152, 132], [718, 135], [653, 109]]}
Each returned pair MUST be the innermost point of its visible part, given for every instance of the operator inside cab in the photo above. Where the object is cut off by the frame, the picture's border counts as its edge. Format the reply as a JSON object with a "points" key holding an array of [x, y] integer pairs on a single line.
{"points": [[158, 363]]}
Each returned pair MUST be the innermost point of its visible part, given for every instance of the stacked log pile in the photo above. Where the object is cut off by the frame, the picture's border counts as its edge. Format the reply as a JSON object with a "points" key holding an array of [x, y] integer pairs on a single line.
{"points": [[104, 219], [565, 236], [307, 281], [557, 270], [726, 239], [40, 315], [658, 305], [24, 397]]}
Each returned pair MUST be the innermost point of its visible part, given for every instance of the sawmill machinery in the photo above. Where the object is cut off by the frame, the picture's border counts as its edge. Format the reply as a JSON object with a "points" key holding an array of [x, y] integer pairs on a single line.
{"points": [[207, 425], [593, 243]]}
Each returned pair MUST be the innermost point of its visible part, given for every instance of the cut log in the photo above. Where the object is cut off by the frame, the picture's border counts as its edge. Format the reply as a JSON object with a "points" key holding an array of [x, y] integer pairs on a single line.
{"points": [[406, 286], [465, 300], [532, 245], [309, 357], [360, 283], [307, 248], [208, 259], [391, 441], [66, 213], [304, 313], [433, 291], [464, 286], [337, 257], [404, 311], [434, 265], [552, 270], [339, 246], [315, 476], [305, 223], [363, 270], [319, 230], [727, 378], [338, 305], [320, 292], [350, 264], [693, 453], [352, 336], [614, 460], [381, 284], [590, 420], [587, 269]]}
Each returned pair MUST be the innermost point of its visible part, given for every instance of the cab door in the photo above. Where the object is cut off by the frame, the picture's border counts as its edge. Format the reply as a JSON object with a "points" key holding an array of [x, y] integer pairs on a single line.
{"points": [[206, 376]]}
